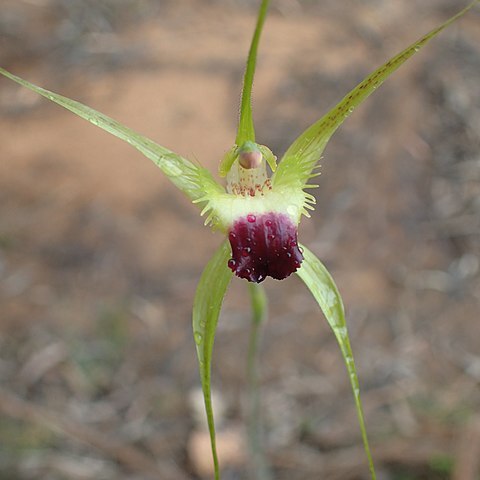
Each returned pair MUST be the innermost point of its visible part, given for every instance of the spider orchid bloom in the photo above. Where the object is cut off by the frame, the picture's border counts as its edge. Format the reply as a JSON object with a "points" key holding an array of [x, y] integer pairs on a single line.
{"points": [[259, 215]]}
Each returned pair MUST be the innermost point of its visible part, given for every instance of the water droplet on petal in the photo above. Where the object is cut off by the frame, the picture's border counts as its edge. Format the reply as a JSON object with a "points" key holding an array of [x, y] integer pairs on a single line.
{"points": [[198, 338], [292, 210], [171, 165], [251, 218]]}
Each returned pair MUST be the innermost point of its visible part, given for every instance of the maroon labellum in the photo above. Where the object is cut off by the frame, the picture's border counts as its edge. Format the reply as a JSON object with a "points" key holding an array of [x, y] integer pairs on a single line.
{"points": [[264, 245]]}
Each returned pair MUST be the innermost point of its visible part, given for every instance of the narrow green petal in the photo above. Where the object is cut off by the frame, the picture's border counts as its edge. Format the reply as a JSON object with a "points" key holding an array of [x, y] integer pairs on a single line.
{"points": [[301, 157], [269, 157], [188, 177], [227, 161], [206, 309], [321, 285], [246, 132]]}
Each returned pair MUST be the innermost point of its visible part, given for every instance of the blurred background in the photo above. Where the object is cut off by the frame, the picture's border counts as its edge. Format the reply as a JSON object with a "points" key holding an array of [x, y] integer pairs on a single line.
{"points": [[100, 255]]}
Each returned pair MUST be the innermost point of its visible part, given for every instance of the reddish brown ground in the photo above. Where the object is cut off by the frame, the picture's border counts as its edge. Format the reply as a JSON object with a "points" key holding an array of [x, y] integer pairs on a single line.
{"points": [[100, 255]]}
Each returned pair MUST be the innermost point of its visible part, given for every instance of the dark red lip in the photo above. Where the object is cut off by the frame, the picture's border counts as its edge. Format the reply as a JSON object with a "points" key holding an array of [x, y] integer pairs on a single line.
{"points": [[264, 246]]}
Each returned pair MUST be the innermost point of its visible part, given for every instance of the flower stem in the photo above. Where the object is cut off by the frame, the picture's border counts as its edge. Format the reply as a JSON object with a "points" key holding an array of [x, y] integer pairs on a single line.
{"points": [[260, 470]]}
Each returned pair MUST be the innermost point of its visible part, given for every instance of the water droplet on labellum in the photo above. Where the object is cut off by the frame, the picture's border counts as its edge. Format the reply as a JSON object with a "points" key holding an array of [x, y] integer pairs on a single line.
{"points": [[256, 254]]}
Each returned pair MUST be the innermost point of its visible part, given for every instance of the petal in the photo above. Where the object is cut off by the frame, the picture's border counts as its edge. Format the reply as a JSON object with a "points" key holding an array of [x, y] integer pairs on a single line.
{"points": [[321, 285], [194, 181], [206, 310], [300, 159]]}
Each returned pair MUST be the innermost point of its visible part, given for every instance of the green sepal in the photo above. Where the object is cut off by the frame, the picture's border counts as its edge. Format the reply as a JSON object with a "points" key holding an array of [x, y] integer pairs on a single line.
{"points": [[297, 164], [246, 131], [189, 178], [323, 288], [206, 309]]}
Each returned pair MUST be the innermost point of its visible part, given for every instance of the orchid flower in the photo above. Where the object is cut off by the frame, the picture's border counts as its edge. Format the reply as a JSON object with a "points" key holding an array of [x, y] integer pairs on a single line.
{"points": [[257, 213]]}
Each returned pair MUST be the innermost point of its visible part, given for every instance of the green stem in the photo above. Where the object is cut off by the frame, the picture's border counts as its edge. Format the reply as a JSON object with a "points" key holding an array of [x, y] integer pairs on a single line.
{"points": [[260, 468]]}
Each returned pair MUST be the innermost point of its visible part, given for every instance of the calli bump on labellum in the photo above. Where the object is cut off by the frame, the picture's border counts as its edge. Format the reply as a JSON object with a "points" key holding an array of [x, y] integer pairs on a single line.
{"points": [[258, 214]]}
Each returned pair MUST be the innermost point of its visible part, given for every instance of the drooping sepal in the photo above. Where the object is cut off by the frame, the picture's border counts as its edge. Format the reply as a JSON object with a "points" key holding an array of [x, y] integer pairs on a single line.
{"points": [[323, 288], [208, 301]]}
